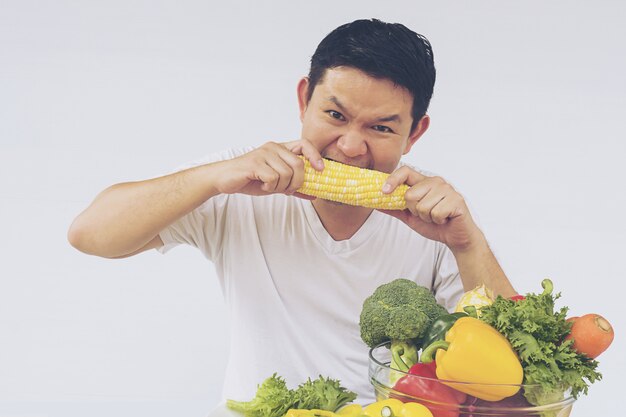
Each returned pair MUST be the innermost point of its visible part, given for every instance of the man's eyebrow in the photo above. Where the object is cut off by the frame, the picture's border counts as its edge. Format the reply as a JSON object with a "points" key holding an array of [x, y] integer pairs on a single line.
{"points": [[335, 100], [392, 118]]}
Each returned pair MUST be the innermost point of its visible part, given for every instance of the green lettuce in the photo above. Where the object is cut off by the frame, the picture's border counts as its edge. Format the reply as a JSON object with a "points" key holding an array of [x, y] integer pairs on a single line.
{"points": [[537, 333], [273, 398]]}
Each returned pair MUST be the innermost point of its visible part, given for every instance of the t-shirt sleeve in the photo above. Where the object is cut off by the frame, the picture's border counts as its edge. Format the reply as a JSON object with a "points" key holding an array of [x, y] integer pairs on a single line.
{"points": [[448, 286], [203, 227]]}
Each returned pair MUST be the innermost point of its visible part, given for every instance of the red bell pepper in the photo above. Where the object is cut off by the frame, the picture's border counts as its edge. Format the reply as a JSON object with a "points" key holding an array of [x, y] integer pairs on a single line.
{"points": [[517, 297], [440, 399]]}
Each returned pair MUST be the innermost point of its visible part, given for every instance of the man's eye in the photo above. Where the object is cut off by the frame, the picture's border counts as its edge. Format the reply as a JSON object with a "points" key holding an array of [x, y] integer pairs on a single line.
{"points": [[335, 115], [383, 129]]}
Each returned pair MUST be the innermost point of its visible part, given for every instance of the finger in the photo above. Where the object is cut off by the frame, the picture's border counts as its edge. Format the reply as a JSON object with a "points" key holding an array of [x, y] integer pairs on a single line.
{"points": [[267, 176], [415, 195], [275, 166], [431, 209], [428, 191], [438, 204], [448, 208], [441, 212], [284, 170], [425, 205], [289, 166], [296, 172], [305, 148], [402, 175], [294, 146], [311, 153]]}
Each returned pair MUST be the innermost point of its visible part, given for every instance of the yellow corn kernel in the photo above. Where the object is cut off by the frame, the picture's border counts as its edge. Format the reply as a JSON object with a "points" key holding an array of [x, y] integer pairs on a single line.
{"points": [[351, 185]]}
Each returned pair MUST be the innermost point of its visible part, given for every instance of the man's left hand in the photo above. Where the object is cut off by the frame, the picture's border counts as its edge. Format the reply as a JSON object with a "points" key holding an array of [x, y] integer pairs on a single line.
{"points": [[434, 209]]}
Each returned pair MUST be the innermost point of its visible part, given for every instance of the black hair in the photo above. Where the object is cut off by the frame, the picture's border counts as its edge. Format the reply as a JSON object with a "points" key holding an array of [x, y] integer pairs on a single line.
{"points": [[381, 50]]}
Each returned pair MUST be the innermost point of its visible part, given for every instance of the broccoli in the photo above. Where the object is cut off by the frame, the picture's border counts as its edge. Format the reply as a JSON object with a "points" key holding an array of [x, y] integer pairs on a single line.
{"points": [[399, 312]]}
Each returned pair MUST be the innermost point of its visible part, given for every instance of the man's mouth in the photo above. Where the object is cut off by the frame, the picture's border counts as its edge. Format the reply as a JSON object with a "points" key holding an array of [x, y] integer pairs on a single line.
{"points": [[351, 163]]}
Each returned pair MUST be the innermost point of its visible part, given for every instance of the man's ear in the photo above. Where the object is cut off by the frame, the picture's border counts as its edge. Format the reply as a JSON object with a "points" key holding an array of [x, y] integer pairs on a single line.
{"points": [[418, 131], [303, 93]]}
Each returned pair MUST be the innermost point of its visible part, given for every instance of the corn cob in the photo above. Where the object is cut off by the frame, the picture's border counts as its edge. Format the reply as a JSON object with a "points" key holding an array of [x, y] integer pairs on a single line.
{"points": [[351, 185]]}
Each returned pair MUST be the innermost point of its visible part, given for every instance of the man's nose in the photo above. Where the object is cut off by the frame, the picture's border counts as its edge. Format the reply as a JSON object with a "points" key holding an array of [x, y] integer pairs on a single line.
{"points": [[352, 143]]}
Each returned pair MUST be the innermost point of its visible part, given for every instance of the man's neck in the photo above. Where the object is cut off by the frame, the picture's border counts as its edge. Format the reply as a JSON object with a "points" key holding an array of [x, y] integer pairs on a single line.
{"points": [[341, 221]]}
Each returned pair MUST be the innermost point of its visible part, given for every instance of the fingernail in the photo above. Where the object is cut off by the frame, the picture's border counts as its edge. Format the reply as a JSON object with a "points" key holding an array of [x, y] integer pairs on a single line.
{"points": [[320, 164], [386, 188]]}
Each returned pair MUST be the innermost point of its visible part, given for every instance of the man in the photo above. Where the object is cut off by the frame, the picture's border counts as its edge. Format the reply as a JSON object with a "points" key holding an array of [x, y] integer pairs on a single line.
{"points": [[295, 272]]}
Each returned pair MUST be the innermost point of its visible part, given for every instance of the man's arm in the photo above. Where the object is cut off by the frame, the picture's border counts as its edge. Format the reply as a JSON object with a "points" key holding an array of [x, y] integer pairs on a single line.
{"points": [[125, 219], [438, 212], [477, 265]]}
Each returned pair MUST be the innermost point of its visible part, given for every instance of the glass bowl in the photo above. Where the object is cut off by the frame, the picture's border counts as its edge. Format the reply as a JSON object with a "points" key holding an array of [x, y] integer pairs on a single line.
{"points": [[383, 379]]}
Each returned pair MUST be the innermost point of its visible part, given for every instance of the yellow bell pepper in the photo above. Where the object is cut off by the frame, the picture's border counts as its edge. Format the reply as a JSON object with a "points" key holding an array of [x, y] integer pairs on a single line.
{"points": [[393, 407], [415, 410], [301, 412], [350, 410], [476, 353]]}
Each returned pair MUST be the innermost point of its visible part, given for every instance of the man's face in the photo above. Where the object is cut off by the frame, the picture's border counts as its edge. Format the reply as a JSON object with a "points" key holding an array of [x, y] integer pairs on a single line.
{"points": [[359, 120]]}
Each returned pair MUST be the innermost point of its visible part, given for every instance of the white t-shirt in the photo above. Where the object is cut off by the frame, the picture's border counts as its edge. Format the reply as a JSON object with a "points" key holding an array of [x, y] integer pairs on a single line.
{"points": [[294, 294]]}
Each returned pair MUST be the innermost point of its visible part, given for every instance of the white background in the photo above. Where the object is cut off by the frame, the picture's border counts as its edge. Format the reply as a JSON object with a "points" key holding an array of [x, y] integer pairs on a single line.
{"points": [[527, 121]]}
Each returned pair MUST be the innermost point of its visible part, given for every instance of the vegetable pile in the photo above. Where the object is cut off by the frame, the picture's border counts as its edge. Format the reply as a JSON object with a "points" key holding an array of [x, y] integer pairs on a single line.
{"points": [[492, 351], [493, 345]]}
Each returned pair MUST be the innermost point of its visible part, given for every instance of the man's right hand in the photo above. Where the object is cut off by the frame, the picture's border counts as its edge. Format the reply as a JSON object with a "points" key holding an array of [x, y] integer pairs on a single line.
{"points": [[269, 169], [126, 218]]}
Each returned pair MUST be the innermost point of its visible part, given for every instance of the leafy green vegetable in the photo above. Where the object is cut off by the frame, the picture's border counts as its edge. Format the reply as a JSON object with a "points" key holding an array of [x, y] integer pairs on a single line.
{"points": [[322, 393], [537, 333], [274, 399], [400, 311]]}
